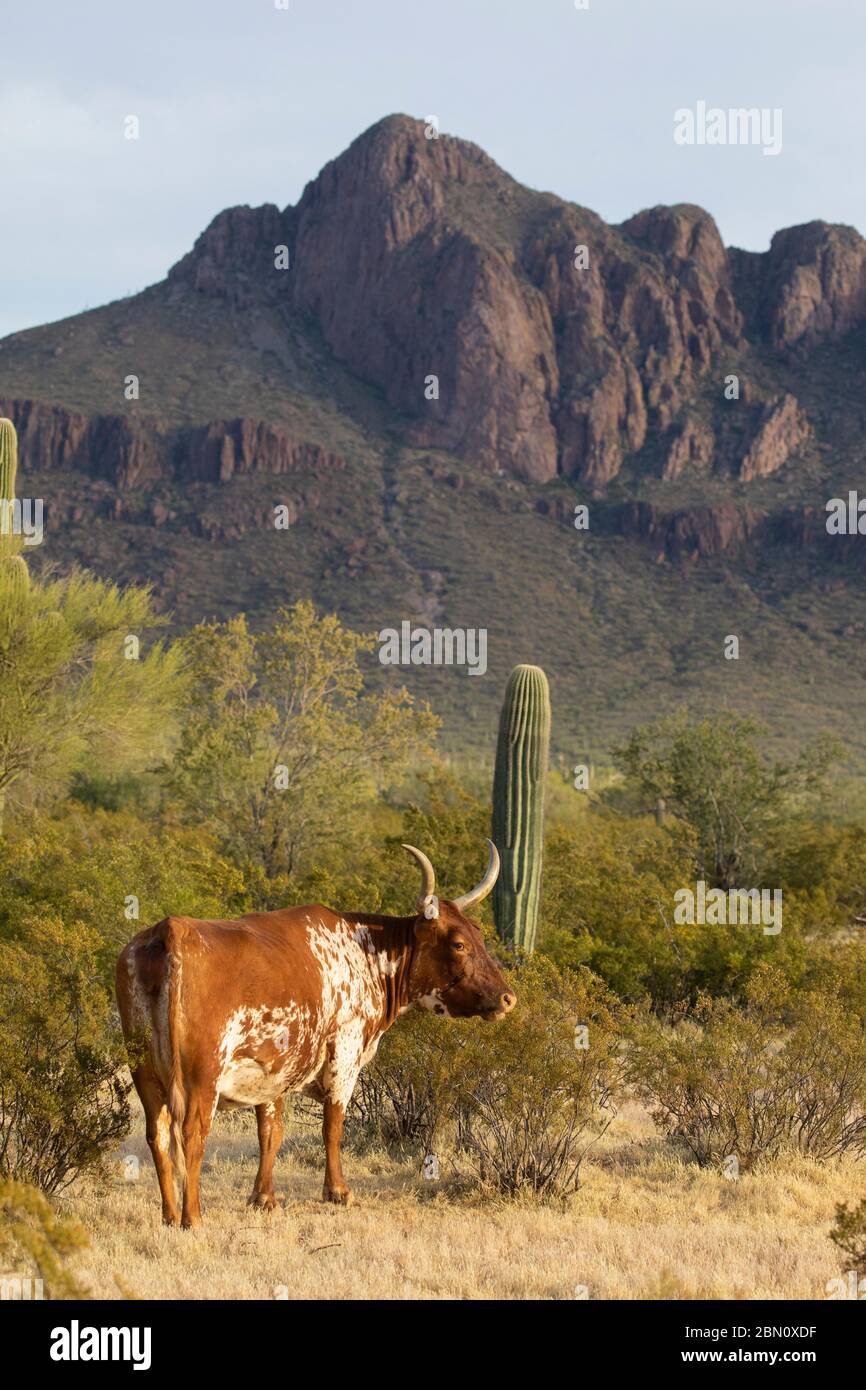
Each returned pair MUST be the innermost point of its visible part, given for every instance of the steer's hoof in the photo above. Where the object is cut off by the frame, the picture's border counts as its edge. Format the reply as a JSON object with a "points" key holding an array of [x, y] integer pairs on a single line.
{"points": [[265, 1201], [341, 1196]]}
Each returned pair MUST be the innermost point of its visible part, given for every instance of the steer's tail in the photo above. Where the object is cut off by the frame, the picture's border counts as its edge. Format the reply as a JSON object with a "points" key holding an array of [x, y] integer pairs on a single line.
{"points": [[172, 935]]}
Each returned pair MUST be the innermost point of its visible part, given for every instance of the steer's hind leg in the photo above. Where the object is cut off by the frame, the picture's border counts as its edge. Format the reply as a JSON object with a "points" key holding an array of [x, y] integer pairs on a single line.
{"points": [[196, 1127], [158, 1128], [269, 1122]]}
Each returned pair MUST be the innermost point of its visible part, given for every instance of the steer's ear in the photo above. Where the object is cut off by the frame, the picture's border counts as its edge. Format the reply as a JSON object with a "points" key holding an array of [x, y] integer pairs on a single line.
{"points": [[427, 924]]}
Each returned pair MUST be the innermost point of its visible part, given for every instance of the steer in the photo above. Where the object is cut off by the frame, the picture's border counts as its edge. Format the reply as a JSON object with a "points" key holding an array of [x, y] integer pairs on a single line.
{"points": [[223, 1014]]}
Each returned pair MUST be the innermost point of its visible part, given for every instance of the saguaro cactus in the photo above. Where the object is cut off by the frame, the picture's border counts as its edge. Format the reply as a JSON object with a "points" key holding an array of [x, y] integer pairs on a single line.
{"points": [[8, 470], [16, 568], [518, 804], [8, 459]]}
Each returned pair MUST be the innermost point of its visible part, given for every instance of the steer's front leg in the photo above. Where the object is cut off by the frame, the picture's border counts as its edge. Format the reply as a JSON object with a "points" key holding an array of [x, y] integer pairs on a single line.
{"points": [[342, 1066], [335, 1189]]}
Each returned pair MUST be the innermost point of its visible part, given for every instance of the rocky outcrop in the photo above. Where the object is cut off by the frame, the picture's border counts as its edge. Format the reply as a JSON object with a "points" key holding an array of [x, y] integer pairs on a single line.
{"points": [[402, 295], [135, 451], [688, 534], [218, 451], [781, 429], [519, 331], [460, 296], [691, 446], [815, 284], [48, 436], [235, 258]]}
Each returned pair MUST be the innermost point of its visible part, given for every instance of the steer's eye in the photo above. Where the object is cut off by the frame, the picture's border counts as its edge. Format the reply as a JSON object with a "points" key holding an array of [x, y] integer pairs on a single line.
{"points": [[459, 945]]}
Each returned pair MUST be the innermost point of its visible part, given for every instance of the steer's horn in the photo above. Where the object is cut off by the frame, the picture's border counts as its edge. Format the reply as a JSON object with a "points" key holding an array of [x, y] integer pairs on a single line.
{"points": [[428, 878], [480, 891]]}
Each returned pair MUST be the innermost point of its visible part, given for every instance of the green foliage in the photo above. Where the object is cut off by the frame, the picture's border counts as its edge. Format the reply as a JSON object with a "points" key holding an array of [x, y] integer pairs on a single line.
{"points": [[518, 804], [80, 868], [785, 1072], [713, 776], [63, 1101], [68, 695], [516, 1104], [281, 746], [541, 1093], [609, 901], [849, 1234], [822, 868], [35, 1242]]}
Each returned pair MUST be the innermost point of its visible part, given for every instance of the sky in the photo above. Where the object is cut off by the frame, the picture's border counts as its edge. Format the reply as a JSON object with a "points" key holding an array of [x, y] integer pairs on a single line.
{"points": [[241, 101]]}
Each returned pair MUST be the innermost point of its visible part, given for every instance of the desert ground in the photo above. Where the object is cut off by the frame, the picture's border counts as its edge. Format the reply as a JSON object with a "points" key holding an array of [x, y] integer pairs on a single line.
{"points": [[645, 1224]]}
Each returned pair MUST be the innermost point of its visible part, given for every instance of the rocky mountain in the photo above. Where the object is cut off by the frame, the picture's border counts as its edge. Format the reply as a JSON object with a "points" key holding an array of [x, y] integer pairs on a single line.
{"points": [[431, 366]]}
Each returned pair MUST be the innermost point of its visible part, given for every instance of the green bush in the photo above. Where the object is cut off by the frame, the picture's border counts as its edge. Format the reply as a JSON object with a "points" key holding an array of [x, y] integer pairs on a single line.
{"points": [[63, 1096], [540, 1092], [82, 867], [408, 1094], [849, 1234], [34, 1241], [786, 1072], [516, 1104], [608, 903]]}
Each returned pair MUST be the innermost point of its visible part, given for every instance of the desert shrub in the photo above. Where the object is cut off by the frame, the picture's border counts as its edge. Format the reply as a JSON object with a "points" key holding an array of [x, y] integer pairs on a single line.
{"points": [[783, 1072], [822, 868], [292, 697], [849, 1234], [539, 1091], [716, 776], [608, 903], [516, 1104], [34, 1242], [404, 1098], [63, 1099], [79, 868]]}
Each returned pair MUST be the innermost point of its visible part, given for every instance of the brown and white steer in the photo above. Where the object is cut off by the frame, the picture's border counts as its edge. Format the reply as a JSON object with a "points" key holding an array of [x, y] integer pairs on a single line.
{"points": [[226, 1014]]}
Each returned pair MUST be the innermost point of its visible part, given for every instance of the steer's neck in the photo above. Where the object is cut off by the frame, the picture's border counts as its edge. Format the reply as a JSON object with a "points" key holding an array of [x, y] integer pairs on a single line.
{"points": [[394, 940]]}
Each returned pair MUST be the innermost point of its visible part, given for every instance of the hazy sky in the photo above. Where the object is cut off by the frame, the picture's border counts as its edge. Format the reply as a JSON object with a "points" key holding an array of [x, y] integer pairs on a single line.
{"points": [[242, 102]]}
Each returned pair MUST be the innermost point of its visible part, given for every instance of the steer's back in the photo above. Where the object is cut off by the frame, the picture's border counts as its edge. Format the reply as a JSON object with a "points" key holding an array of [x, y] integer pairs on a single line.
{"points": [[243, 1010]]}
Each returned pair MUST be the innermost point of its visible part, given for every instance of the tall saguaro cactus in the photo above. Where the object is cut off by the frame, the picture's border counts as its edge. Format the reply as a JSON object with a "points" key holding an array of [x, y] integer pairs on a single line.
{"points": [[518, 804], [8, 458], [8, 470], [12, 561]]}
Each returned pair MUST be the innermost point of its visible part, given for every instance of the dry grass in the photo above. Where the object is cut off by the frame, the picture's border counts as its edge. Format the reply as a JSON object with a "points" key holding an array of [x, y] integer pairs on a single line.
{"points": [[643, 1225]]}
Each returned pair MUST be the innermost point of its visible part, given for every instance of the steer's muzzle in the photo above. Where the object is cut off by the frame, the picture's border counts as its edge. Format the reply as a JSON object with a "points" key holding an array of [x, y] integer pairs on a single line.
{"points": [[503, 1006]]}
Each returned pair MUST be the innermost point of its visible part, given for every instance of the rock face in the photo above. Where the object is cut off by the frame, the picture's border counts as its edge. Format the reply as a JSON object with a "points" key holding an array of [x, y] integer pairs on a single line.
{"points": [[519, 331], [134, 451], [816, 284], [782, 429], [687, 534], [224, 448], [234, 258], [691, 447], [522, 332], [402, 294]]}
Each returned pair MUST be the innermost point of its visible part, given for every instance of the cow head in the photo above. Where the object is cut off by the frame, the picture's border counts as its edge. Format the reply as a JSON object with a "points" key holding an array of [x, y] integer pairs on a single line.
{"points": [[452, 973]]}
